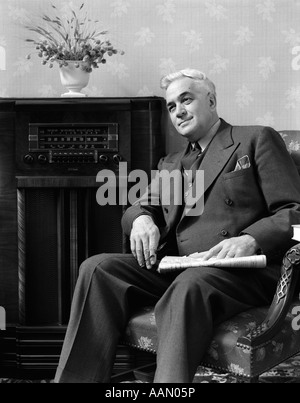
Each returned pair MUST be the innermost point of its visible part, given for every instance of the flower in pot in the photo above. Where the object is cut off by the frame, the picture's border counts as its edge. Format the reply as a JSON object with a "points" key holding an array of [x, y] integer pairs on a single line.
{"points": [[75, 43]]}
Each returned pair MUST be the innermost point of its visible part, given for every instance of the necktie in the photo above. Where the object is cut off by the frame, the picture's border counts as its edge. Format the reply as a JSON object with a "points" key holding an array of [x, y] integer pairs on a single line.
{"points": [[190, 166], [191, 156]]}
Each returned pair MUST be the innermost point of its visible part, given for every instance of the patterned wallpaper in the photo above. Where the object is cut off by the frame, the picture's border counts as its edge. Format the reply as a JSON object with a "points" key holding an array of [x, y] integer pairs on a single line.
{"points": [[249, 48]]}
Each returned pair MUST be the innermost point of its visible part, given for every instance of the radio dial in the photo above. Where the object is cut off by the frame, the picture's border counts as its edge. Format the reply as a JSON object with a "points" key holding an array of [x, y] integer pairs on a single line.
{"points": [[42, 159], [28, 159], [117, 158], [103, 158]]}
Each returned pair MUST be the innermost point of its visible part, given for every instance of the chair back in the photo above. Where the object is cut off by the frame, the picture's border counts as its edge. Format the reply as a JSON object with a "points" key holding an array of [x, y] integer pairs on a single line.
{"points": [[292, 141]]}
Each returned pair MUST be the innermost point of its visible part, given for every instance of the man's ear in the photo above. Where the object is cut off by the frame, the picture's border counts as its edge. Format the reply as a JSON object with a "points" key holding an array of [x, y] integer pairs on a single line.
{"points": [[212, 101]]}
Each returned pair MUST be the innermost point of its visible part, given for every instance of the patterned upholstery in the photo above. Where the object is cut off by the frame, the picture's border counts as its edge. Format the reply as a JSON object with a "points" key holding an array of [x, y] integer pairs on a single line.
{"points": [[224, 354], [292, 141], [227, 352]]}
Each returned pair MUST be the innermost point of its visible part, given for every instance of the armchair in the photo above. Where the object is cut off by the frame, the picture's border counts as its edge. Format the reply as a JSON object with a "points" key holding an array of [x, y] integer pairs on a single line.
{"points": [[251, 342]]}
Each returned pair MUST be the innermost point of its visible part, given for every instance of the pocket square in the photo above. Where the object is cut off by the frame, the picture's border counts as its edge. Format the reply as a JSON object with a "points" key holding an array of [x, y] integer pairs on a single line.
{"points": [[242, 163]]}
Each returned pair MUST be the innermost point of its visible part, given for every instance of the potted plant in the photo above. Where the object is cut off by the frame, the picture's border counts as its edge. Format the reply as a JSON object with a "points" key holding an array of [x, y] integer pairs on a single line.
{"points": [[75, 43]]}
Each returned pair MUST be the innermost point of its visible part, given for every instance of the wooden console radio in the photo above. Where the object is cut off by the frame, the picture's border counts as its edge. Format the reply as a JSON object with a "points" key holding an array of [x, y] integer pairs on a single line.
{"points": [[50, 153]]}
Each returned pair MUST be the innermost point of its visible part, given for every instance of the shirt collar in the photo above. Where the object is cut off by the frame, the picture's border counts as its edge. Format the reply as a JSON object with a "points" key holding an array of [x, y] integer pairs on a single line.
{"points": [[203, 143]]}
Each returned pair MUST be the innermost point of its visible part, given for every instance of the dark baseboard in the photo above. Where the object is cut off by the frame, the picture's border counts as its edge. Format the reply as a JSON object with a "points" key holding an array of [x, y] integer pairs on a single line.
{"points": [[32, 352]]}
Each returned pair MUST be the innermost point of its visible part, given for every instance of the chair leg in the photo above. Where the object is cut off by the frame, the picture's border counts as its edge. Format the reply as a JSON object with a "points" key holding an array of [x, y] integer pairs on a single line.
{"points": [[144, 373], [125, 376], [254, 379]]}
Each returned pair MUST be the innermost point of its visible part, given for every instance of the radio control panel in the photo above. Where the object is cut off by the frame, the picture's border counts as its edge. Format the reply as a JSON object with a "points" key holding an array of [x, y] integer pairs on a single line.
{"points": [[72, 147], [71, 143]]}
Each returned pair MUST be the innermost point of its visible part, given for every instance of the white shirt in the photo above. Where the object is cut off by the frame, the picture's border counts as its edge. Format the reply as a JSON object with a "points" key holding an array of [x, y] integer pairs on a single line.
{"points": [[203, 143]]}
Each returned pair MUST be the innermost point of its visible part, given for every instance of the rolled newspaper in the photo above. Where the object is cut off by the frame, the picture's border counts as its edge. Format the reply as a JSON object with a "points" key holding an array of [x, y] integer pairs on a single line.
{"points": [[171, 263]]}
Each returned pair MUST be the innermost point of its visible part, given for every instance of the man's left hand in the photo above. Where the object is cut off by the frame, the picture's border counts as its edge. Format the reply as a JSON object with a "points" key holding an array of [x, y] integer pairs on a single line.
{"points": [[244, 245]]}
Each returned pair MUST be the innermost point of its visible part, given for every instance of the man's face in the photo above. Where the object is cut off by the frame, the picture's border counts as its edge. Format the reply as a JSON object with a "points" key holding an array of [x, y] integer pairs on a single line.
{"points": [[191, 108]]}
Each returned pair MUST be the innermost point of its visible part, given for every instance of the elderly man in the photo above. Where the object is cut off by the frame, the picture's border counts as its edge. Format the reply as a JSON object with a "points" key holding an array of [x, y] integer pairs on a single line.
{"points": [[251, 199]]}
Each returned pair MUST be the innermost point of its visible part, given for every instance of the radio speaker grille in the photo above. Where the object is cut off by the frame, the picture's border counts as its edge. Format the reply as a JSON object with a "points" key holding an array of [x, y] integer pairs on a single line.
{"points": [[60, 228]]}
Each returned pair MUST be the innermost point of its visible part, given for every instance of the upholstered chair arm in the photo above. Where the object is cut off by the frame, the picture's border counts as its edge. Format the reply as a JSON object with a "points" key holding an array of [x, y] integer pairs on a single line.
{"points": [[280, 304]]}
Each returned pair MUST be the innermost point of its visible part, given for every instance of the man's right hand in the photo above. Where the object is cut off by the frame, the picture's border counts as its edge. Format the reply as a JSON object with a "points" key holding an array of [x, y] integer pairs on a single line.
{"points": [[144, 240]]}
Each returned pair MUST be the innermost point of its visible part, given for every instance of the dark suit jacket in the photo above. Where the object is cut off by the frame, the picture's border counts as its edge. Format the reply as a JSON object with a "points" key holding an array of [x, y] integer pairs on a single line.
{"points": [[262, 200]]}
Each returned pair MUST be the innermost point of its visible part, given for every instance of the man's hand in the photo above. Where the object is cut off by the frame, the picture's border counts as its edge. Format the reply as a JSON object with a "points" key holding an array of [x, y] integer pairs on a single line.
{"points": [[144, 239], [244, 245]]}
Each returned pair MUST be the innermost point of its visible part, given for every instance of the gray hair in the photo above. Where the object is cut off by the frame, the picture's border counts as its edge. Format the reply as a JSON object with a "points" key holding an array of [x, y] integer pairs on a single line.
{"points": [[191, 73]]}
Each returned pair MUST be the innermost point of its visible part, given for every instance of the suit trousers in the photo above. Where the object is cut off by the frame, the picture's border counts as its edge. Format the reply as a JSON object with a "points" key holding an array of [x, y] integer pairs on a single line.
{"points": [[188, 304]]}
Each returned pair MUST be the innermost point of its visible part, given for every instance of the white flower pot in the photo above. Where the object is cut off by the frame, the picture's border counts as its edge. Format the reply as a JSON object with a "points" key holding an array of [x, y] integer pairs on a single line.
{"points": [[74, 79]]}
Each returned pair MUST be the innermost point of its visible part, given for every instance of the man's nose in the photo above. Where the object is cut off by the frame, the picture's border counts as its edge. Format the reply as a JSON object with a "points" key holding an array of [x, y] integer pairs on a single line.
{"points": [[180, 111]]}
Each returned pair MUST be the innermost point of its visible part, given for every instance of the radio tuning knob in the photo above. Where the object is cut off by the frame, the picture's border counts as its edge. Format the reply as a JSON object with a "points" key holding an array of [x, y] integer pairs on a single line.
{"points": [[117, 158], [28, 159], [42, 159], [103, 158]]}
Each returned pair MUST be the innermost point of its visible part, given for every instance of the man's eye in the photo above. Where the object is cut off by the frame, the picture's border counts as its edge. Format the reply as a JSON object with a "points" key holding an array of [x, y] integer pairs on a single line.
{"points": [[171, 108], [187, 100]]}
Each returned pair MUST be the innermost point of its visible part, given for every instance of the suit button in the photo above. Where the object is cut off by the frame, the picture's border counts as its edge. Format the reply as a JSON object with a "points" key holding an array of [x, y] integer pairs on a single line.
{"points": [[229, 202], [224, 232]]}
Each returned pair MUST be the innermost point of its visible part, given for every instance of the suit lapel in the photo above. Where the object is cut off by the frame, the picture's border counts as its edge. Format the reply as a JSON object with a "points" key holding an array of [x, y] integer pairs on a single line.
{"points": [[218, 154]]}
